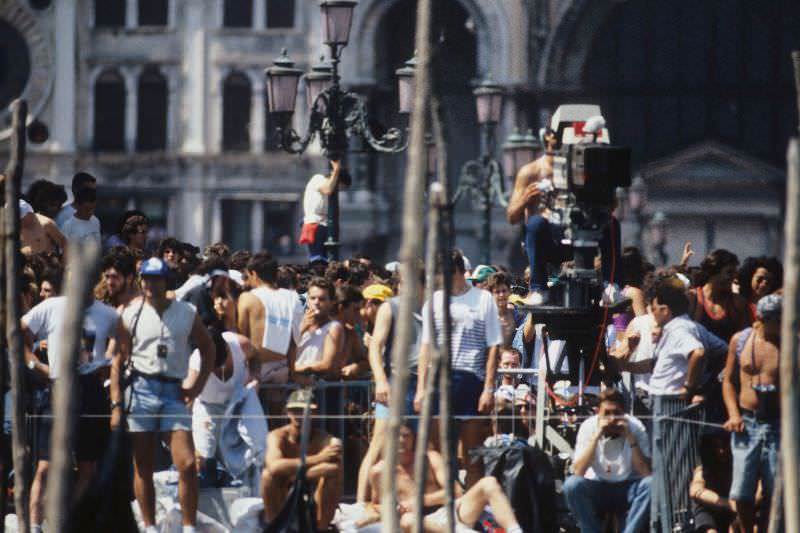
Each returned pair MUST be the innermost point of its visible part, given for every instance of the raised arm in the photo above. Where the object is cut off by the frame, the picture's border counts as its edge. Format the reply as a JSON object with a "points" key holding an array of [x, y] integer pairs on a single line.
{"points": [[332, 181]]}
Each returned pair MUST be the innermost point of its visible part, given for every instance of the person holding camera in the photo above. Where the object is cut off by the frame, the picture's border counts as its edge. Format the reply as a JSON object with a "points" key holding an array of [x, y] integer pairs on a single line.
{"points": [[611, 468], [750, 391], [154, 337]]}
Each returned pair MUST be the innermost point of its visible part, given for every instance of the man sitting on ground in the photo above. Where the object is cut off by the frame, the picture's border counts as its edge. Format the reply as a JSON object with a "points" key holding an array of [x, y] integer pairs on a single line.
{"points": [[468, 507], [323, 462], [612, 468]]}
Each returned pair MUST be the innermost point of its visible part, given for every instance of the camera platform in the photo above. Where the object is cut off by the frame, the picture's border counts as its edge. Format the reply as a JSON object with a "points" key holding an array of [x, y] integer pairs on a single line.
{"points": [[569, 322]]}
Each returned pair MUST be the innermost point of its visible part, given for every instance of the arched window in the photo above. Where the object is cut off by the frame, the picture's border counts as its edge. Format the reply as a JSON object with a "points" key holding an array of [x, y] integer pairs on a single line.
{"points": [[280, 13], [238, 14], [236, 98], [109, 13], [151, 124], [109, 112], [153, 12]]}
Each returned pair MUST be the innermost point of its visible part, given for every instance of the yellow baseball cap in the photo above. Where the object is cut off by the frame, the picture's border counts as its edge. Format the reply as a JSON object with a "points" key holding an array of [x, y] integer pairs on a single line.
{"points": [[377, 291]]}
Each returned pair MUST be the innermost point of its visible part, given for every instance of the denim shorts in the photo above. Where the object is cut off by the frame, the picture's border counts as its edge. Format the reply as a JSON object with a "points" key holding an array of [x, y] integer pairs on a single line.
{"points": [[755, 456], [156, 406]]}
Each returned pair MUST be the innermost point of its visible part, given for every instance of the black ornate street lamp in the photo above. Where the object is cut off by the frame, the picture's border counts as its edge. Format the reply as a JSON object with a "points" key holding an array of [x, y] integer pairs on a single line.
{"points": [[482, 179], [335, 114]]}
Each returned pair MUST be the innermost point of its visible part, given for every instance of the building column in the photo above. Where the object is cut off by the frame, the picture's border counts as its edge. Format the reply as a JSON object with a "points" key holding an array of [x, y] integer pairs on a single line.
{"points": [[172, 107], [259, 14], [131, 75], [63, 124], [132, 13], [193, 109], [257, 225], [257, 110]]}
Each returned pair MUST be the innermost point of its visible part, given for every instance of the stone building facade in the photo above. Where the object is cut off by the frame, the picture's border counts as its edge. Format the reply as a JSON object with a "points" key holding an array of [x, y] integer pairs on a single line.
{"points": [[163, 100]]}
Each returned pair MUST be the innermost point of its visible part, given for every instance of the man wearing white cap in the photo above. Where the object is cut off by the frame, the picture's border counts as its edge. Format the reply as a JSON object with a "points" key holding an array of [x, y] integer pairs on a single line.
{"points": [[154, 340]]}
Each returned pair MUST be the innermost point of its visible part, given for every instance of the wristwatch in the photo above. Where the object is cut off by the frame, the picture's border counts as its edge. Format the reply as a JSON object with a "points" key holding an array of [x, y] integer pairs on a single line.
{"points": [[32, 364], [114, 405]]}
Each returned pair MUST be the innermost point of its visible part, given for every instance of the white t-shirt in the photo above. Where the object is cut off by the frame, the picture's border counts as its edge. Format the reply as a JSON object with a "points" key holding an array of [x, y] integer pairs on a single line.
{"points": [[612, 457], [679, 338], [66, 213], [312, 344], [77, 230], [194, 280], [315, 204], [643, 324], [217, 391], [172, 329], [283, 313], [476, 327], [46, 320]]}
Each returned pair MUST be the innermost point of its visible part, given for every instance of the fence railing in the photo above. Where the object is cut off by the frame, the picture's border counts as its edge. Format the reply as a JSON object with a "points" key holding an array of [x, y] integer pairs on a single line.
{"points": [[676, 434]]}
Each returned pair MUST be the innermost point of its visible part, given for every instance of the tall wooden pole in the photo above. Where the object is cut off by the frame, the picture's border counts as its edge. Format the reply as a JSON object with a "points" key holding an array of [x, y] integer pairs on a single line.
{"points": [[436, 203], [3, 364], [445, 360], [410, 250], [790, 395], [82, 270], [13, 180]]}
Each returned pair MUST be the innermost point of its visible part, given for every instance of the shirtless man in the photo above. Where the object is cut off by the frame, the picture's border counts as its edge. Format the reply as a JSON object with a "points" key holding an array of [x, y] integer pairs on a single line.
{"points": [[751, 394], [468, 508], [270, 317], [39, 233], [323, 463], [524, 206]]}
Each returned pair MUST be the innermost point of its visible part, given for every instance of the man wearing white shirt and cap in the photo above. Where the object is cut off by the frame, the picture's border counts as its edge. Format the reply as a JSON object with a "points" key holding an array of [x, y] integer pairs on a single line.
{"points": [[154, 343]]}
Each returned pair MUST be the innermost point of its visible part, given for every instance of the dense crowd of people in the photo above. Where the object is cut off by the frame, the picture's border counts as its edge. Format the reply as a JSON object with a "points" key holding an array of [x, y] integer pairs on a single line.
{"points": [[187, 337]]}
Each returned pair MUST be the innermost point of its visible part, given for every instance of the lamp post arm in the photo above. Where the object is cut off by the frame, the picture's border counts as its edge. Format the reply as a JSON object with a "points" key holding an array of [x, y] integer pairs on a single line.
{"points": [[293, 142], [498, 183], [357, 122]]}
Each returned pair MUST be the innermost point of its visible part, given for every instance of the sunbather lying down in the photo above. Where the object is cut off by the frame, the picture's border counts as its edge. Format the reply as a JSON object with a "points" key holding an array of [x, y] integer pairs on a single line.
{"points": [[468, 507]]}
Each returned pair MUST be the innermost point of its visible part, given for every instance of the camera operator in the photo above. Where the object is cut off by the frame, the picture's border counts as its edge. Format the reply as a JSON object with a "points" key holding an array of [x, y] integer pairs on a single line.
{"points": [[611, 468], [154, 338], [751, 397], [525, 205], [532, 184]]}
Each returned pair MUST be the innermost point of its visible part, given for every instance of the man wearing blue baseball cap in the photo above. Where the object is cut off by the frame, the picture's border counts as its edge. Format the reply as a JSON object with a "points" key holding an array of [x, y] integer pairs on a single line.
{"points": [[155, 336]]}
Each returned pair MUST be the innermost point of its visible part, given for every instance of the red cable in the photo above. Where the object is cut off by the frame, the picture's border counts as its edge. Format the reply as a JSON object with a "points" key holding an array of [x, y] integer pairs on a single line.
{"points": [[605, 312]]}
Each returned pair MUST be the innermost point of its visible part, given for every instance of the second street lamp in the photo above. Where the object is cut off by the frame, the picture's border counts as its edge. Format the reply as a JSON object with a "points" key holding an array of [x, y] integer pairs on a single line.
{"points": [[482, 179], [335, 114]]}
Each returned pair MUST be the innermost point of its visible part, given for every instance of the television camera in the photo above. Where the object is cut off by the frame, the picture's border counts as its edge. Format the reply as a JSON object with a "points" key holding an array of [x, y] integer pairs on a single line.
{"points": [[587, 169]]}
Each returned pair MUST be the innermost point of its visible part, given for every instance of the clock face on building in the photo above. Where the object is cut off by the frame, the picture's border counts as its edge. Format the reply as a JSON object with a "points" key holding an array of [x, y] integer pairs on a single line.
{"points": [[26, 59], [15, 64]]}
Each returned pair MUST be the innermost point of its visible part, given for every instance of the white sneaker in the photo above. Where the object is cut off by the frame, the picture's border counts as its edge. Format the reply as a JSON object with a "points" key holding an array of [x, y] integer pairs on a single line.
{"points": [[537, 297], [612, 295]]}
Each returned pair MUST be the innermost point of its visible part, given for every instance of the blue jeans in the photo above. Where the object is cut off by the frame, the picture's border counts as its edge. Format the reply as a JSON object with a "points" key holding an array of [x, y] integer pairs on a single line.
{"points": [[317, 248], [542, 249], [587, 498], [156, 406], [755, 456]]}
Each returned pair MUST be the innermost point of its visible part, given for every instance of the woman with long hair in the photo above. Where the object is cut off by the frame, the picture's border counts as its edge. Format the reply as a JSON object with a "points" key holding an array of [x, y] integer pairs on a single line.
{"points": [[758, 277]]}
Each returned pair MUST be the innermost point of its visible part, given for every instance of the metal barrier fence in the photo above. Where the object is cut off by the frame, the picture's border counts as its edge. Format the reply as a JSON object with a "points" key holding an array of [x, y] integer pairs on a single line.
{"points": [[676, 435]]}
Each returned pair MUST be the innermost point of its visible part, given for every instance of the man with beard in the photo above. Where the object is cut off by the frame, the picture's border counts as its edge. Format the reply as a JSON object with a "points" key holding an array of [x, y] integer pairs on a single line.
{"points": [[119, 278]]}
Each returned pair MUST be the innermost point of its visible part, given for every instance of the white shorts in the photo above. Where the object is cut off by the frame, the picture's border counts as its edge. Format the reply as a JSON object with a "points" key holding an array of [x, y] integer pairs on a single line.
{"points": [[206, 428], [439, 518]]}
